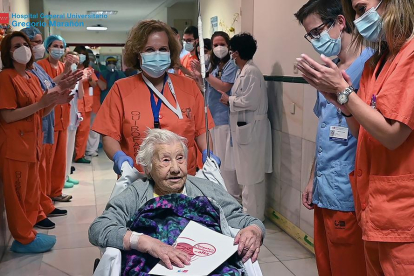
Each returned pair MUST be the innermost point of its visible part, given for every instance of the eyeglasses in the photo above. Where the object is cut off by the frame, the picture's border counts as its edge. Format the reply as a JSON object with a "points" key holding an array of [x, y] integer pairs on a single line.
{"points": [[315, 33]]}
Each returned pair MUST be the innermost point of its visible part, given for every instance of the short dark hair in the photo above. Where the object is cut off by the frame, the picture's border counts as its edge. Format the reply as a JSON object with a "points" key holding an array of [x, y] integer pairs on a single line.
{"points": [[207, 44], [174, 30], [192, 30], [244, 44], [328, 10], [6, 55]]}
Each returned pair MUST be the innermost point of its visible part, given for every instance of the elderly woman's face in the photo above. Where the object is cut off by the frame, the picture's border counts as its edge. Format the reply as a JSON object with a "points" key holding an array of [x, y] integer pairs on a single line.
{"points": [[169, 168]]}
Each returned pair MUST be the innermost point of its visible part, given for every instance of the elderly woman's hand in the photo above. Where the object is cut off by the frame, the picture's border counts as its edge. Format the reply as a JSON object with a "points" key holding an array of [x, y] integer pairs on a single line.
{"points": [[249, 240], [166, 253], [327, 78]]}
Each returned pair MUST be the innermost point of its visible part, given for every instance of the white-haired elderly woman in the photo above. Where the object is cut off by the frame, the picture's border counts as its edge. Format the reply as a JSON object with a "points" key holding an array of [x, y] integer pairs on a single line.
{"points": [[163, 155]]}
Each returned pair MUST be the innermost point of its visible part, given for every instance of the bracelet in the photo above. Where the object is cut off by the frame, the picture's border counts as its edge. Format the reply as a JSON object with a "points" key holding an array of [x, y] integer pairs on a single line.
{"points": [[207, 75], [348, 116]]}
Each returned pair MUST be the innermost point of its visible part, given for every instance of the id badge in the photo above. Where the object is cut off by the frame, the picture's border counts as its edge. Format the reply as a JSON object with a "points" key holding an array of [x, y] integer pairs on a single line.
{"points": [[338, 133]]}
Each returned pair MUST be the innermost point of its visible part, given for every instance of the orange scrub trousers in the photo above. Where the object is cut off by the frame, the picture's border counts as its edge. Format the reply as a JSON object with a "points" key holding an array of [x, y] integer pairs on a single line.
{"points": [[20, 150], [85, 108], [383, 180], [56, 153], [126, 114]]}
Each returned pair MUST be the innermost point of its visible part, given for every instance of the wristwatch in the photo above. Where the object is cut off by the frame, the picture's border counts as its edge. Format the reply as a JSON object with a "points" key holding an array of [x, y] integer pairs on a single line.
{"points": [[207, 74], [343, 96]]}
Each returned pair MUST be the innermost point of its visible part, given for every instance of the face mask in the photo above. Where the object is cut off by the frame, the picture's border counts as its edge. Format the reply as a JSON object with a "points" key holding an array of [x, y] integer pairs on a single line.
{"points": [[155, 64], [74, 67], [221, 51], [22, 55], [111, 67], [57, 53], [188, 46], [207, 59], [82, 58], [327, 45], [39, 51], [369, 25]]}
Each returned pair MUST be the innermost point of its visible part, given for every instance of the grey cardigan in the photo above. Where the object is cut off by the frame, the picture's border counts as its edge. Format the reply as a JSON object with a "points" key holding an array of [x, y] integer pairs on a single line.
{"points": [[109, 229]]}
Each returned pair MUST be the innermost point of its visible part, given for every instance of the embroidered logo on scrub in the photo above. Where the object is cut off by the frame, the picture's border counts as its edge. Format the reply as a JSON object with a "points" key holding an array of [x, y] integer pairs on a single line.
{"points": [[187, 112], [340, 224]]}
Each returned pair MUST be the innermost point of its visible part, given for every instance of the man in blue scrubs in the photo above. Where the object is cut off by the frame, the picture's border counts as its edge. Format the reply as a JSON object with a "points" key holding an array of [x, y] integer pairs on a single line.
{"points": [[338, 238]]}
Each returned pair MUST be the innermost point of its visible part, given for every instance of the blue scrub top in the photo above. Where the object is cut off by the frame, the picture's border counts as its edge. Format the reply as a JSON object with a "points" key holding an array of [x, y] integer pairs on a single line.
{"points": [[48, 122], [219, 111], [335, 160]]}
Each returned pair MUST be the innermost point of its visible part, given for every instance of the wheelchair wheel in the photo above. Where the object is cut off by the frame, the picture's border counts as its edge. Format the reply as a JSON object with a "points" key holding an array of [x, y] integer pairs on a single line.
{"points": [[95, 265]]}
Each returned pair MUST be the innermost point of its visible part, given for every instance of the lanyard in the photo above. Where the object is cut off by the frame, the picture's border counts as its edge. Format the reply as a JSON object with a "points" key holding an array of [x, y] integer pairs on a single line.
{"points": [[156, 107], [161, 98]]}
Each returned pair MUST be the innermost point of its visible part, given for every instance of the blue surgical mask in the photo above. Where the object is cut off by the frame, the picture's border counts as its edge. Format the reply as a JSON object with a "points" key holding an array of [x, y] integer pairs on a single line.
{"points": [[82, 58], [188, 46], [326, 45], [369, 25], [155, 64], [57, 53]]}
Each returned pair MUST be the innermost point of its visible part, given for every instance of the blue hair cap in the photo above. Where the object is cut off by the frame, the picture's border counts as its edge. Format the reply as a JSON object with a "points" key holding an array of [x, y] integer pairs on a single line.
{"points": [[53, 38], [31, 32]]}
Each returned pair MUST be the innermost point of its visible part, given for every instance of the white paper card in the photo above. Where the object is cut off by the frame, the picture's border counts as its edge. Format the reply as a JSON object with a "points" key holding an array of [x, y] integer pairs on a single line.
{"points": [[207, 248], [338, 133]]}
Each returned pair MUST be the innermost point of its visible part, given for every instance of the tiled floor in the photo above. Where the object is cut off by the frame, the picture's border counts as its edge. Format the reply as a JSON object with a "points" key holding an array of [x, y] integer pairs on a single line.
{"points": [[74, 255]]}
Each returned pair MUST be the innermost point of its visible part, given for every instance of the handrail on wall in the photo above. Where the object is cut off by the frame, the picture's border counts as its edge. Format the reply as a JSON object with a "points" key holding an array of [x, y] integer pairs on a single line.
{"points": [[285, 79]]}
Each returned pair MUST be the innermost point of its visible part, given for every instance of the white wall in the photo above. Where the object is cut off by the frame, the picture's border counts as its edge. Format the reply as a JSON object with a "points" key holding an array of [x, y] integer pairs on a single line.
{"points": [[279, 36], [224, 9], [160, 14], [182, 11], [19, 7]]}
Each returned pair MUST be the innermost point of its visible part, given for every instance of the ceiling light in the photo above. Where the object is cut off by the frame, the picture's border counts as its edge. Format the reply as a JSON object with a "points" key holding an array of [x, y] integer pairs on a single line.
{"points": [[97, 28], [102, 12]]}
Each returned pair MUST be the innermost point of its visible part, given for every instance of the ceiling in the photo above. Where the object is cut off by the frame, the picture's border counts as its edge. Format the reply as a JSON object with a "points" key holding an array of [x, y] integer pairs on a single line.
{"points": [[129, 11]]}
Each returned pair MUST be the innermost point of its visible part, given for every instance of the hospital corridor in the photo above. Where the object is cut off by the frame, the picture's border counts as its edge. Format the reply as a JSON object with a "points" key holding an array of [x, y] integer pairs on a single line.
{"points": [[206, 137]]}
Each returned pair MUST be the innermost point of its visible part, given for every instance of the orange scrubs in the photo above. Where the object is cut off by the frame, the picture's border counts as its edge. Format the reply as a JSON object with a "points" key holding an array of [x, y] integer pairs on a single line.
{"points": [[186, 62], [55, 154], [383, 180], [126, 114], [337, 234], [85, 108], [20, 149]]}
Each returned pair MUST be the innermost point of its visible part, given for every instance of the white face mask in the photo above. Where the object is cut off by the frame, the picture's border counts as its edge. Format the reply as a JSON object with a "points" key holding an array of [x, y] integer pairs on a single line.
{"points": [[39, 51], [207, 59], [22, 55], [74, 67], [221, 51]]}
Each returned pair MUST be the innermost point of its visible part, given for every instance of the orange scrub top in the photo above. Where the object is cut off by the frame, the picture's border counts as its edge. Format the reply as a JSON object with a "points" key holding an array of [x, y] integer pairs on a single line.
{"points": [[21, 140], [85, 104], [186, 62], [97, 95], [62, 111], [383, 180], [126, 114]]}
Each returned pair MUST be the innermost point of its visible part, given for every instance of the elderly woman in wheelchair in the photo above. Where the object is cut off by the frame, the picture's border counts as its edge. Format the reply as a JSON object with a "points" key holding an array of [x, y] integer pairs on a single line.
{"points": [[145, 220]]}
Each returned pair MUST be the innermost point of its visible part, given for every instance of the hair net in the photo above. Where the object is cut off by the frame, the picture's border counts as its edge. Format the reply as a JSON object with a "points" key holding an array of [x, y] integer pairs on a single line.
{"points": [[31, 32], [53, 38]]}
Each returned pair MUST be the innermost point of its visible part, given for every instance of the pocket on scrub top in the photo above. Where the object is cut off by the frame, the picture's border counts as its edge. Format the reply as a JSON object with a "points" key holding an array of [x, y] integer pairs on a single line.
{"points": [[391, 202], [341, 181], [21, 145], [244, 134]]}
